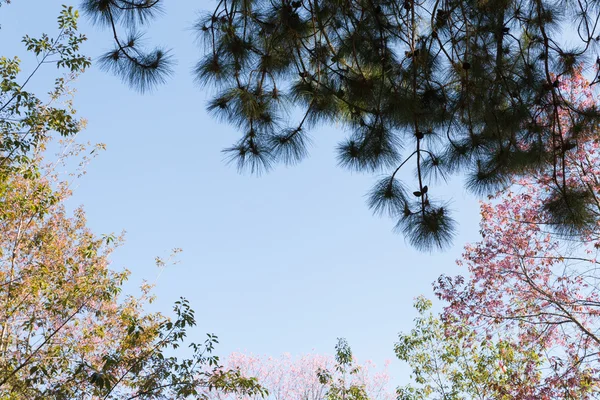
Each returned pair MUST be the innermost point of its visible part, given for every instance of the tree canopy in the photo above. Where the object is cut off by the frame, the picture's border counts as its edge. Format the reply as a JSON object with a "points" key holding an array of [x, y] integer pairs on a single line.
{"points": [[517, 110], [449, 85]]}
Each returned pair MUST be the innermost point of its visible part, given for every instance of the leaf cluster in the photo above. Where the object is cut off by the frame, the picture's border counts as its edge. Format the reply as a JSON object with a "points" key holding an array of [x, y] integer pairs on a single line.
{"points": [[27, 120], [453, 361], [341, 388]]}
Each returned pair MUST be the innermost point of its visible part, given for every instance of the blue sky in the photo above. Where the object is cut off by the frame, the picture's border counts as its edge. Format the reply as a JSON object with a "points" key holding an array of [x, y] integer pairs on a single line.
{"points": [[285, 262]]}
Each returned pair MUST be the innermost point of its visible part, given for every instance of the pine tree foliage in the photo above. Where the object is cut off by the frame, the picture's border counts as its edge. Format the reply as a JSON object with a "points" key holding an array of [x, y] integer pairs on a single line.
{"points": [[456, 86], [138, 67]]}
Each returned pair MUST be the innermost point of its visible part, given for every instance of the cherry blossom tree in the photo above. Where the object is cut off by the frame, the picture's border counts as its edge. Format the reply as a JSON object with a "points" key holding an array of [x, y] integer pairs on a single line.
{"points": [[534, 275], [312, 377]]}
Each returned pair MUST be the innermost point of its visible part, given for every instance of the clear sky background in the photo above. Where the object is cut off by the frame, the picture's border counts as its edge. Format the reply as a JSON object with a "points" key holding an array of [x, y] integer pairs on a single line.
{"points": [[285, 262]]}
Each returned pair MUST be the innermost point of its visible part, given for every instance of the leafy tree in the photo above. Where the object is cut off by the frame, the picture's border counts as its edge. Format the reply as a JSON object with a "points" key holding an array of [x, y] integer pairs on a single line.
{"points": [[311, 377], [450, 360], [452, 85], [536, 283], [340, 387], [26, 119], [66, 331]]}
